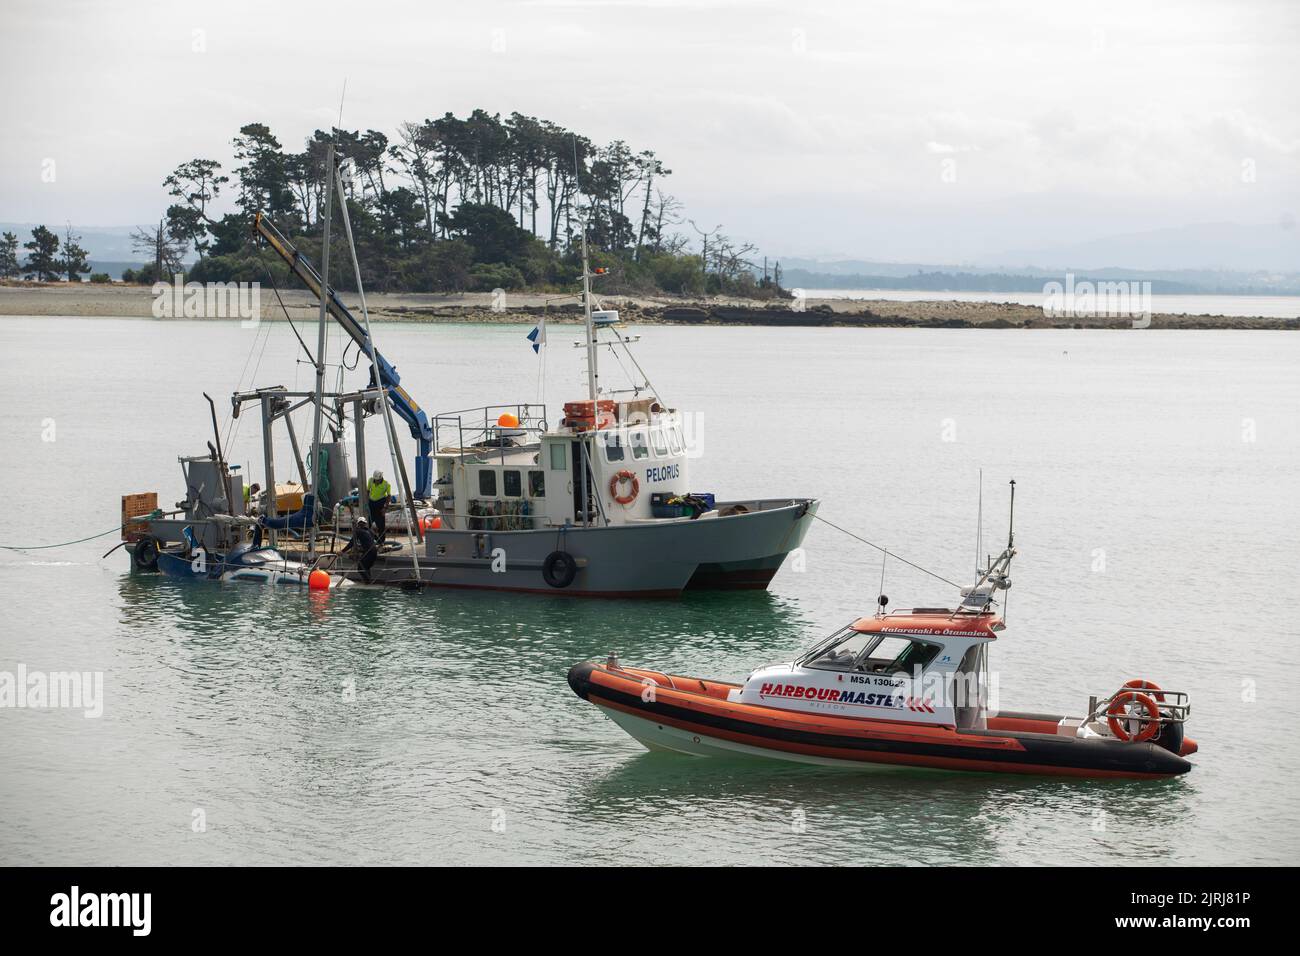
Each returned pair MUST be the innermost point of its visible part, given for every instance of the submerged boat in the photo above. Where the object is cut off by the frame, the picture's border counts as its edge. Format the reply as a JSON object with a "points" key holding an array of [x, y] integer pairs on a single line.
{"points": [[247, 562], [894, 690]]}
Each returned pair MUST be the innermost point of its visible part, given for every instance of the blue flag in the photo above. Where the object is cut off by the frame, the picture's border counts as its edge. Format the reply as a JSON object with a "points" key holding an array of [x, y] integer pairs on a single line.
{"points": [[538, 335]]}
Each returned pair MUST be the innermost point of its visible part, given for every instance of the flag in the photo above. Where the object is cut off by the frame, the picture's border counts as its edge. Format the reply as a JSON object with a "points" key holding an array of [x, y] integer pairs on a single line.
{"points": [[538, 335]]}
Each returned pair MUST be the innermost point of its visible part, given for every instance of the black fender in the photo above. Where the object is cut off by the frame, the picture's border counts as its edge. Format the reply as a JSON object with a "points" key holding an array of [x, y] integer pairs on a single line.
{"points": [[559, 569], [144, 557]]}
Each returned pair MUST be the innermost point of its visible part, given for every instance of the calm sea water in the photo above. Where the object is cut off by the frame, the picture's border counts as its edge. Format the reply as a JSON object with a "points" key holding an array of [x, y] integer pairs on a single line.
{"points": [[1269, 306], [1157, 516]]}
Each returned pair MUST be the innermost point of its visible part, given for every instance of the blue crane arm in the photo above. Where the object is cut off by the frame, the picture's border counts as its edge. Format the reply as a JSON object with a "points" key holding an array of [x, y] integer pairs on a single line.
{"points": [[403, 403]]}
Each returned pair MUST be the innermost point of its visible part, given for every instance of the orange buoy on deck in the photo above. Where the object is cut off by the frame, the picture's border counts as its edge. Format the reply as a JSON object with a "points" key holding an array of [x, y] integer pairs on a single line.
{"points": [[318, 580], [508, 420]]}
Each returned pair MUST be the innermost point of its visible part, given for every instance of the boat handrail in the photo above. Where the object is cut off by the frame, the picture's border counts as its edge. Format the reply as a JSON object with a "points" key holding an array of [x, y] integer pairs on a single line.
{"points": [[1174, 705], [530, 415]]}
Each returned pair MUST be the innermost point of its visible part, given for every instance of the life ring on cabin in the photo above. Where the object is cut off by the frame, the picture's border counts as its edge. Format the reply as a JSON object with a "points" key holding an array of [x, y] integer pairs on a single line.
{"points": [[559, 569], [616, 482], [1119, 712], [1138, 683], [145, 555]]}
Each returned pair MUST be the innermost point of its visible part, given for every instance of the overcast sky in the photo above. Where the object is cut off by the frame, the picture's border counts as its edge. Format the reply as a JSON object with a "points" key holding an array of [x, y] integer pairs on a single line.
{"points": [[934, 131]]}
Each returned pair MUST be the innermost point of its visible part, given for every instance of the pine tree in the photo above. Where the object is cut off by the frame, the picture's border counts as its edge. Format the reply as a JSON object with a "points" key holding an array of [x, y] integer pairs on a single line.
{"points": [[42, 256], [73, 261], [9, 256]]}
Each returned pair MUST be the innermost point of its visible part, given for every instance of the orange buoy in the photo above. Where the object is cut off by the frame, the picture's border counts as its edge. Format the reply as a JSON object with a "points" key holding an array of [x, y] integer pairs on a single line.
{"points": [[1138, 683], [318, 580], [508, 420], [616, 483], [435, 523], [1120, 711]]}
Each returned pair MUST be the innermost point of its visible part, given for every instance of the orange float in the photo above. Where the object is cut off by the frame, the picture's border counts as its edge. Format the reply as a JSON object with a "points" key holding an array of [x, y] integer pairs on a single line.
{"points": [[616, 483], [1119, 712]]}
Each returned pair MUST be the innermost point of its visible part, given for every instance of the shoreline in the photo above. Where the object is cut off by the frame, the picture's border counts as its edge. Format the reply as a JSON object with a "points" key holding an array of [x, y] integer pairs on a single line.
{"points": [[115, 301]]}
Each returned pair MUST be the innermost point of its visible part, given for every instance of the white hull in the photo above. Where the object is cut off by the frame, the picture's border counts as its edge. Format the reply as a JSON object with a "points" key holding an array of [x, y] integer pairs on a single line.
{"points": [[656, 736]]}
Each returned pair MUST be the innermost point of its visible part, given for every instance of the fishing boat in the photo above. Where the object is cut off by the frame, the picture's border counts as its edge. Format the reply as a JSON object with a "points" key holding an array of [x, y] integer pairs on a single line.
{"points": [[599, 502], [902, 689]]}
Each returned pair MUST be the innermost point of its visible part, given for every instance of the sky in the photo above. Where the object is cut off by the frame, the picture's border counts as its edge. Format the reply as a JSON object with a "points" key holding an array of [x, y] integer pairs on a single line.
{"points": [[919, 131]]}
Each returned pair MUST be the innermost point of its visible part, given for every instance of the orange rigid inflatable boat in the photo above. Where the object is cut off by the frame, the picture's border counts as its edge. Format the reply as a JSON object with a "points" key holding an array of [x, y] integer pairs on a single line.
{"points": [[903, 689]]}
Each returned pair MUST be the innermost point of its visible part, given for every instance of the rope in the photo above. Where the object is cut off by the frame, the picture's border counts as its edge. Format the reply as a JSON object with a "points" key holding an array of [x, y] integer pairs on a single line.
{"points": [[156, 513], [892, 554]]}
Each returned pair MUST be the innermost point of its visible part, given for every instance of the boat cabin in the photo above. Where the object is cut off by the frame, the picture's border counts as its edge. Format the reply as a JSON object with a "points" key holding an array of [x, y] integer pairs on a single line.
{"points": [[608, 463], [928, 665]]}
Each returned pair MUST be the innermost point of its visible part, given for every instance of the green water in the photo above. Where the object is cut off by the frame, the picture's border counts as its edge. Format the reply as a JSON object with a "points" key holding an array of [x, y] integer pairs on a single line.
{"points": [[1157, 519]]}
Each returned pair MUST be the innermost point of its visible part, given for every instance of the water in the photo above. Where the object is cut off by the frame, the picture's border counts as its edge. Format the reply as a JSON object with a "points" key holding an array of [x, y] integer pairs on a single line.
{"points": [[1267, 306], [1156, 514]]}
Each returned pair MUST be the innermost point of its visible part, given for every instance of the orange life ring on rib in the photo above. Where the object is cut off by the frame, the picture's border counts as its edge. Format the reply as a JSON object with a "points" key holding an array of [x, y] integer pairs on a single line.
{"points": [[1138, 683], [1119, 712], [617, 481]]}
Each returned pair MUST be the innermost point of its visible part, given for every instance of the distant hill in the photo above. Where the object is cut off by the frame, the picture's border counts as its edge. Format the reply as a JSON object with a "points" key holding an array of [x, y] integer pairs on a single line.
{"points": [[943, 280], [1216, 247]]}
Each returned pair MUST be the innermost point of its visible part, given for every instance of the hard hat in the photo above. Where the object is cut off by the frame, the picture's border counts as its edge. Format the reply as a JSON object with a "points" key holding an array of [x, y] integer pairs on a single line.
{"points": [[378, 475], [360, 523]]}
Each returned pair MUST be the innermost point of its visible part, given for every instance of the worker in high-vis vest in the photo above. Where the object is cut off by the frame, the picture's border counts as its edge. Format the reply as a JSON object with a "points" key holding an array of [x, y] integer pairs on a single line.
{"points": [[378, 492]]}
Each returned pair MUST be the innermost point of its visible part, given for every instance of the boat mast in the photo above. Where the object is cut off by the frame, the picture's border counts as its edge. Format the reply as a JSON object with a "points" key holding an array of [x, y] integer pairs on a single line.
{"points": [[593, 376], [408, 500], [320, 348]]}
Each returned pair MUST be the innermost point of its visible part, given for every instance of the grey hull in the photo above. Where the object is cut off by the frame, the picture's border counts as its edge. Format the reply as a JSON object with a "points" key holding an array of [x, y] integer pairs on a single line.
{"points": [[644, 559]]}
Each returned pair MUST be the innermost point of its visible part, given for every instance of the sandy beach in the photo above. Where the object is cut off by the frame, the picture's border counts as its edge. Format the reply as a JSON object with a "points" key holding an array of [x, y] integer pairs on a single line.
{"points": [[120, 301]]}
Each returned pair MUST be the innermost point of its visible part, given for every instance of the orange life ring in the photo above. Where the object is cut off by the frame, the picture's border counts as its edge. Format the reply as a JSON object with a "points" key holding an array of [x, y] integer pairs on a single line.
{"points": [[617, 480], [1138, 683], [1118, 712]]}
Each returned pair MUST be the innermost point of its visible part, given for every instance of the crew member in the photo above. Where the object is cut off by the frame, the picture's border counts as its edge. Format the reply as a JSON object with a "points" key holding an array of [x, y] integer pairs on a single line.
{"points": [[250, 497], [362, 545], [378, 492]]}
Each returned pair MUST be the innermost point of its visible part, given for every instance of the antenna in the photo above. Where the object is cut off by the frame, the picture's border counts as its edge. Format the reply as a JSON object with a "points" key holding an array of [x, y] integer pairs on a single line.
{"points": [[881, 599], [593, 375], [979, 524], [1011, 519]]}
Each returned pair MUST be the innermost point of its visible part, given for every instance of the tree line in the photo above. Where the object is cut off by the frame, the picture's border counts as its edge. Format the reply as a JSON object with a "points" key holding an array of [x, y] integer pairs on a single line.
{"points": [[46, 260], [449, 204]]}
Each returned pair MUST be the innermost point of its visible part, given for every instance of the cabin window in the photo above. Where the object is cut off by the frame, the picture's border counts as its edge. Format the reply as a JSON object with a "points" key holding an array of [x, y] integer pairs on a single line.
{"points": [[659, 442], [511, 483], [841, 651], [487, 483], [613, 446], [559, 461], [637, 440], [675, 440], [537, 484], [894, 654]]}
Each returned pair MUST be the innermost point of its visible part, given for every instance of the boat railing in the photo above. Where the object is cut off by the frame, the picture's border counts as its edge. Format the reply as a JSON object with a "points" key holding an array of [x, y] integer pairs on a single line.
{"points": [[1174, 706], [477, 432]]}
